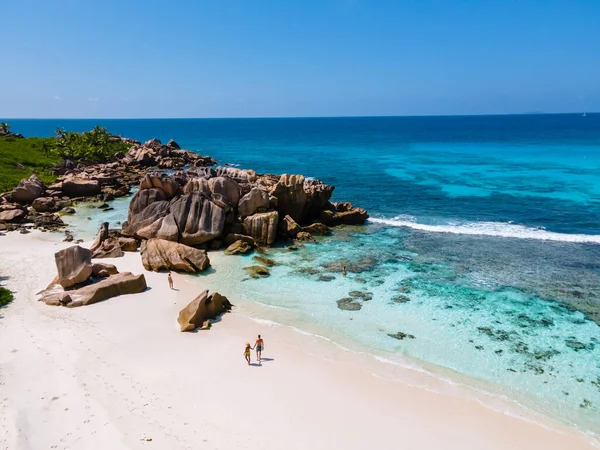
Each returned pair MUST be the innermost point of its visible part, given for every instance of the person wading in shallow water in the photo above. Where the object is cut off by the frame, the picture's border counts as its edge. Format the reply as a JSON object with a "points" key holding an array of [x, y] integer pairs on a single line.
{"points": [[344, 270], [247, 352], [260, 345], [170, 281]]}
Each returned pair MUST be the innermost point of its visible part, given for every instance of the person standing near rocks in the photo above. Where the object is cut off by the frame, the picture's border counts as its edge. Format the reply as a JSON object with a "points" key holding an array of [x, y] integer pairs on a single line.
{"points": [[260, 345], [344, 270], [170, 281]]}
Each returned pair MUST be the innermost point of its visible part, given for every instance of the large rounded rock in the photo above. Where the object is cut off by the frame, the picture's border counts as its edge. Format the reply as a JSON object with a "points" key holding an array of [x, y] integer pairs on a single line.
{"points": [[226, 187], [238, 248], [74, 265], [198, 219], [262, 227], [44, 204], [202, 308], [289, 227], [158, 254], [28, 189], [254, 201], [80, 187], [9, 215]]}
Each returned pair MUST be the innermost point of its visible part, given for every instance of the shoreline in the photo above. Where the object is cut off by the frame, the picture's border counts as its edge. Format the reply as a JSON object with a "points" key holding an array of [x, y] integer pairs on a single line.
{"points": [[313, 381]]}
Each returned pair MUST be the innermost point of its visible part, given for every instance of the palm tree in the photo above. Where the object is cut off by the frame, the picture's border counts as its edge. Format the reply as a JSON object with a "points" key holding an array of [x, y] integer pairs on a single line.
{"points": [[4, 127]]}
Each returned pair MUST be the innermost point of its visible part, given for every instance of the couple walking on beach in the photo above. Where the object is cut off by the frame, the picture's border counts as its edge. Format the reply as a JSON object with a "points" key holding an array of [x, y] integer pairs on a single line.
{"points": [[259, 345]]}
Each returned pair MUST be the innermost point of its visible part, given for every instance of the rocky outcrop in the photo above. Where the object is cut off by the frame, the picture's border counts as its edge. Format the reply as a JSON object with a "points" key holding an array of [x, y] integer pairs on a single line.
{"points": [[262, 227], [198, 219], [254, 201], [289, 227], [202, 308], [74, 265], [159, 254], [80, 187], [28, 190], [110, 248], [238, 247], [111, 286], [291, 196], [162, 182], [227, 188]]}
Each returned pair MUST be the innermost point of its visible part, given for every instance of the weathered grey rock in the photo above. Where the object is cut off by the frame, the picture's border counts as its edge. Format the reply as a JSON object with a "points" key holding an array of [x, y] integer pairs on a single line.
{"points": [[28, 190], [146, 209], [262, 227], [168, 229], [197, 185], [352, 216], [318, 194], [202, 309], [44, 204], [161, 181], [291, 197], [239, 175], [254, 201], [198, 219], [226, 187], [80, 187], [11, 214], [173, 144], [257, 271], [158, 254], [232, 237], [74, 265], [305, 237], [317, 229], [128, 244], [265, 261], [113, 286], [289, 227], [110, 248], [238, 247], [98, 268]]}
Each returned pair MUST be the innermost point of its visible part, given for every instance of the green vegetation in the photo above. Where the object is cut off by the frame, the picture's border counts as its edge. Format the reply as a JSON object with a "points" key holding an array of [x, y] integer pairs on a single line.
{"points": [[5, 296], [4, 127], [94, 145], [19, 158]]}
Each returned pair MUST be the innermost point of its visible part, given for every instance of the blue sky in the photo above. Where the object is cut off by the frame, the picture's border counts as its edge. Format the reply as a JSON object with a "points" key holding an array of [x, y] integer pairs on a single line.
{"points": [[262, 58]]}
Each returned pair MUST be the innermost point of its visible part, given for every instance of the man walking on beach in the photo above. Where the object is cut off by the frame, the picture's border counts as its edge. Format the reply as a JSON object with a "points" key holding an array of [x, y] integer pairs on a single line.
{"points": [[260, 345], [170, 281]]}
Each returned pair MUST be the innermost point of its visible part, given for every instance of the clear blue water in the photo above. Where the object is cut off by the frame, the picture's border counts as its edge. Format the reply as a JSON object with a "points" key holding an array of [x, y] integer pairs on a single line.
{"points": [[484, 243]]}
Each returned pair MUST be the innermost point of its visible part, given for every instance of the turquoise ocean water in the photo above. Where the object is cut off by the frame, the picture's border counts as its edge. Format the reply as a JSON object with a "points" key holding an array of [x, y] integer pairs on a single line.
{"points": [[484, 242]]}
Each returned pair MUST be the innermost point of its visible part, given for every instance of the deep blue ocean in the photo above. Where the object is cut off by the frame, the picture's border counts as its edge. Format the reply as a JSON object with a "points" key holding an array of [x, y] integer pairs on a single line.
{"points": [[484, 242]]}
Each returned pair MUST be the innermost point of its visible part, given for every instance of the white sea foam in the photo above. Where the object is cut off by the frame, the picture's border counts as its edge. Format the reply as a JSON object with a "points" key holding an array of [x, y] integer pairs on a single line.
{"points": [[499, 229]]}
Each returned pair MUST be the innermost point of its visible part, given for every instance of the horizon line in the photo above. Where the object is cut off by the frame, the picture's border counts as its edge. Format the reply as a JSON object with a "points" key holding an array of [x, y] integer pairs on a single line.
{"points": [[303, 117]]}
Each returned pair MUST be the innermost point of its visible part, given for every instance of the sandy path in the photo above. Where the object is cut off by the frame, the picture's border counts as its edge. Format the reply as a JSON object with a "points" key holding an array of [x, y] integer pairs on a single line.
{"points": [[111, 375]]}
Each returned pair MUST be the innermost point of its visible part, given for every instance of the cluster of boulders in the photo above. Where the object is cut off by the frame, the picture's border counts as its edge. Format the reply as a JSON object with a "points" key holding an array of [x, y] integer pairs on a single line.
{"points": [[228, 207], [154, 154], [32, 202], [79, 282]]}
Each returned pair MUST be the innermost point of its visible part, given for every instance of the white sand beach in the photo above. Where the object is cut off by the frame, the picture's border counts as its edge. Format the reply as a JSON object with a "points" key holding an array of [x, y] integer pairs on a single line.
{"points": [[120, 375]]}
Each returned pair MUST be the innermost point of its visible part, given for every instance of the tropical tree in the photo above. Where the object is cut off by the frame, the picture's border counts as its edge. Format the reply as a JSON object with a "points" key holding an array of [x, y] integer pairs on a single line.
{"points": [[4, 127], [93, 145]]}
